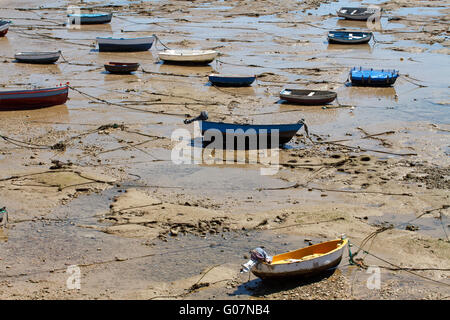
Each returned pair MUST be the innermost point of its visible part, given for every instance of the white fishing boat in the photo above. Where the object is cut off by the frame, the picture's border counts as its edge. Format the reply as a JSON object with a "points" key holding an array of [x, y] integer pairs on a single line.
{"points": [[188, 56], [302, 262]]}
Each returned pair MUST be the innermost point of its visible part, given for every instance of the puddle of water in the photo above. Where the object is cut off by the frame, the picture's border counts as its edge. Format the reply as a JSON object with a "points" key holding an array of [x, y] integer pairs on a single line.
{"points": [[430, 226]]}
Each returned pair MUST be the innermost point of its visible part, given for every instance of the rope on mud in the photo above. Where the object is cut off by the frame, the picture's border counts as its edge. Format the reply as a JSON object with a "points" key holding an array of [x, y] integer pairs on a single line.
{"points": [[116, 259], [298, 185], [371, 237], [409, 79], [157, 39], [361, 264], [23, 144], [124, 105]]}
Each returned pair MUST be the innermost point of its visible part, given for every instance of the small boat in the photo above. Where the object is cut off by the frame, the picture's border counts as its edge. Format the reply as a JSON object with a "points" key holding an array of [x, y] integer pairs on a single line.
{"points": [[90, 18], [188, 56], [33, 99], [125, 45], [4, 27], [349, 37], [121, 67], [252, 134], [357, 13], [231, 81], [303, 262], [308, 97], [371, 77], [38, 57]]}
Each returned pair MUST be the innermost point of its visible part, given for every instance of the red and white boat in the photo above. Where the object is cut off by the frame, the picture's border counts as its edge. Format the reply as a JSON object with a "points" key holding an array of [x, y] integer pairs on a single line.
{"points": [[33, 99], [4, 26]]}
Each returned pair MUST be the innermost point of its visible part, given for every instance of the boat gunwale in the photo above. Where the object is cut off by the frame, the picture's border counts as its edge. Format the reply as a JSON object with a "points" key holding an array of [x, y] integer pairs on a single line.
{"points": [[66, 87], [339, 247]]}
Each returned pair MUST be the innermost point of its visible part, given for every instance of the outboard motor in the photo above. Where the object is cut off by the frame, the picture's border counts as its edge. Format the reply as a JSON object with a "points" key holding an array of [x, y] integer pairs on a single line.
{"points": [[256, 255]]}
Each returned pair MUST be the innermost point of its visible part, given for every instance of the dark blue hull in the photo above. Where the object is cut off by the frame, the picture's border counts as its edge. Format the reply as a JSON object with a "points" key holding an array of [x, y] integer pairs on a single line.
{"points": [[347, 37], [124, 47], [231, 81], [241, 136]]}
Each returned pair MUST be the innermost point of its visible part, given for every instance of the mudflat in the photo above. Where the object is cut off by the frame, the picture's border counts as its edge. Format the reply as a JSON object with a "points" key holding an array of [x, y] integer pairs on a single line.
{"points": [[93, 184]]}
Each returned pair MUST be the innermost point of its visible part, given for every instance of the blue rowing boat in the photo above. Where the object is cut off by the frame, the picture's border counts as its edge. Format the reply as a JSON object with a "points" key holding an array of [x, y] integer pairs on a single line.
{"points": [[248, 136], [374, 78], [125, 45], [231, 81], [349, 37], [90, 18]]}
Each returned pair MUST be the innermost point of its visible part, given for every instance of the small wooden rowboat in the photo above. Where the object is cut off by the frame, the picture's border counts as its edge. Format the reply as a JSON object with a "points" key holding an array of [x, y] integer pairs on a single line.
{"points": [[374, 78], [231, 81], [357, 13], [33, 99], [4, 27], [188, 56], [349, 37], [121, 67], [308, 97], [90, 18], [245, 136], [302, 262], [38, 57], [125, 45]]}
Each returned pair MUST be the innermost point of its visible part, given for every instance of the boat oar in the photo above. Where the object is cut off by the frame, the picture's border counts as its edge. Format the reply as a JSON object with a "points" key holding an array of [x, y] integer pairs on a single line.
{"points": [[203, 116]]}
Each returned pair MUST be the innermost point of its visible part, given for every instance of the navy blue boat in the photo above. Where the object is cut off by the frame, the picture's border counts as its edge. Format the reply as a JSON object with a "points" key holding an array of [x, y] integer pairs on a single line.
{"points": [[248, 136], [374, 78], [125, 45], [231, 81], [349, 37]]}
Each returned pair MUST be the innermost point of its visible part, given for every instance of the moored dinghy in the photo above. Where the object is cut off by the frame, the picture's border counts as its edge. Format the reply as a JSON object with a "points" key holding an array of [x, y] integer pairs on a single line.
{"points": [[349, 37], [373, 78], [357, 13], [121, 67], [230, 80], [38, 57], [187, 56], [33, 99], [4, 27], [308, 97], [90, 18], [303, 262], [125, 45], [253, 134]]}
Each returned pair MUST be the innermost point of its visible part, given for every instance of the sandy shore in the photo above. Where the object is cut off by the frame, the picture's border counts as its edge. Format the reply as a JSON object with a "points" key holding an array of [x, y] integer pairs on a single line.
{"points": [[141, 227]]}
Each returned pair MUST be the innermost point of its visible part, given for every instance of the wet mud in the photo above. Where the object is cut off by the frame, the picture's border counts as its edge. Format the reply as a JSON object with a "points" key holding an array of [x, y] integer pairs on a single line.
{"points": [[92, 183]]}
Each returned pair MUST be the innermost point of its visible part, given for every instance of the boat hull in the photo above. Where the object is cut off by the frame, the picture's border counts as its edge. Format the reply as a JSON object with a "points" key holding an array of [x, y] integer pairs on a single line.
{"points": [[359, 14], [124, 45], [307, 97], [306, 267], [224, 81], [33, 99], [121, 68], [4, 27], [38, 58], [373, 78], [341, 37], [187, 57], [89, 18], [237, 136]]}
